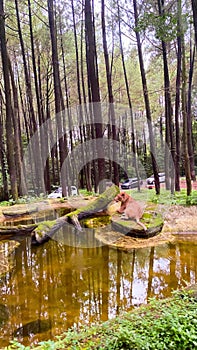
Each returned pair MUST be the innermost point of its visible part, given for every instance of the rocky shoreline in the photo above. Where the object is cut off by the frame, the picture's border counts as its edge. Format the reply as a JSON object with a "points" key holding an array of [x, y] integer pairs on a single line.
{"points": [[178, 220]]}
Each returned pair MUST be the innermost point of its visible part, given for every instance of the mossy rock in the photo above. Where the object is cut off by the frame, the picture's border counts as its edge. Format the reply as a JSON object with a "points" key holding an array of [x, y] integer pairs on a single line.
{"points": [[151, 219]]}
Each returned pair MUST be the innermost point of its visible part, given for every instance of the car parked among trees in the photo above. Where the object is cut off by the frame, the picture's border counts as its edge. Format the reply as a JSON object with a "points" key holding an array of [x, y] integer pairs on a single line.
{"points": [[151, 180], [131, 183], [58, 192]]}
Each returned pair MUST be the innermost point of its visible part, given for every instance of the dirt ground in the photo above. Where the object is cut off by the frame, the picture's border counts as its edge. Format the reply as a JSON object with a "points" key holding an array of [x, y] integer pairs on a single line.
{"points": [[180, 219]]}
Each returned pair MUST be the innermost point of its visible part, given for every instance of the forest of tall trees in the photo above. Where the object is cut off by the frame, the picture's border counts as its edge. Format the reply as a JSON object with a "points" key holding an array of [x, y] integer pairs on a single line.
{"points": [[93, 90]]}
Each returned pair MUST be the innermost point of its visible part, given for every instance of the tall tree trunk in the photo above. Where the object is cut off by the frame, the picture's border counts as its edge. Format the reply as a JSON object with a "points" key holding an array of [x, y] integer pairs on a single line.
{"points": [[28, 127], [5, 192], [17, 134], [147, 103], [130, 103], [81, 113], [177, 100], [170, 140], [189, 115], [94, 96], [110, 94], [42, 133], [91, 129], [36, 149], [43, 119], [58, 93], [194, 9], [86, 129], [9, 125], [185, 121]]}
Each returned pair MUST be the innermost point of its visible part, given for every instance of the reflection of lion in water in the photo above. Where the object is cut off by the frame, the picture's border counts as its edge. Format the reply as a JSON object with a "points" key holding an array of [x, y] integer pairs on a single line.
{"points": [[130, 208]]}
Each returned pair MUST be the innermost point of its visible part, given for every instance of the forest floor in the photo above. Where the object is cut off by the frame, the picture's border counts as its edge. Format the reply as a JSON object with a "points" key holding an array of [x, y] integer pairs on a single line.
{"points": [[180, 218]]}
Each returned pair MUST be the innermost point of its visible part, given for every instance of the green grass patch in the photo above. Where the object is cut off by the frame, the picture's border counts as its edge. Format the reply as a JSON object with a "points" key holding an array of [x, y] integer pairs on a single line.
{"points": [[5, 203], [165, 197], [86, 193], [169, 324], [147, 195]]}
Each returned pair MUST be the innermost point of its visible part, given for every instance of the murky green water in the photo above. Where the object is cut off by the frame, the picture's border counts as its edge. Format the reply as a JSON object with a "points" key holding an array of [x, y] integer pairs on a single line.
{"points": [[61, 284]]}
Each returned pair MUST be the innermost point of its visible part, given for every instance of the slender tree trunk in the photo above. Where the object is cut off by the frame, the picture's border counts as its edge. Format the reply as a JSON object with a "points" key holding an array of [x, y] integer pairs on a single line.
{"points": [[9, 125], [57, 92], [110, 94], [184, 104], [147, 103], [170, 140], [86, 129], [28, 127], [134, 153], [17, 134], [40, 188], [185, 122], [177, 100], [189, 116], [94, 89], [194, 8], [28, 132], [91, 129], [68, 111], [5, 194], [81, 113], [42, 133]]}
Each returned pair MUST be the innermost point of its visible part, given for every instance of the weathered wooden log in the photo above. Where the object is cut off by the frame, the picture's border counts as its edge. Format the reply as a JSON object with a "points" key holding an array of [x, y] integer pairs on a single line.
{"points": [[10, 230], [14, 213], [46, 230]]}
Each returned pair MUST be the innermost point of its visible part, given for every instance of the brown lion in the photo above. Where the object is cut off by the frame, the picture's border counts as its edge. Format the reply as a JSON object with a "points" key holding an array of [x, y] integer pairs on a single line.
{"points": [[130, 208]]}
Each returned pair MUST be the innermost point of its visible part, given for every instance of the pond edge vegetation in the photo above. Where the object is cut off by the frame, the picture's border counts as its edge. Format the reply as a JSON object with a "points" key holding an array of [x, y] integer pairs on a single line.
{"points": [[161, 324]]}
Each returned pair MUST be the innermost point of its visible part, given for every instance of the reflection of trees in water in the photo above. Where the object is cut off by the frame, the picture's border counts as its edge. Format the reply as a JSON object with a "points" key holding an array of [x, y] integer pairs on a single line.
{"points": [[69, 285], [187, 261]]}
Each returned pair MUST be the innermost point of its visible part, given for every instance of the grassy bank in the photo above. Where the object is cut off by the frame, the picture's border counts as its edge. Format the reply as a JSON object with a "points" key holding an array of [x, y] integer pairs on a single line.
{"points": [[164, 324], [165, 197]]}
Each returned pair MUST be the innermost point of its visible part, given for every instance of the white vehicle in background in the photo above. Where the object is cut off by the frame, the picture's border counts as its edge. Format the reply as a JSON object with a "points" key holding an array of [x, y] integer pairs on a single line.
{"points": [[58, 192], [151, 180]]}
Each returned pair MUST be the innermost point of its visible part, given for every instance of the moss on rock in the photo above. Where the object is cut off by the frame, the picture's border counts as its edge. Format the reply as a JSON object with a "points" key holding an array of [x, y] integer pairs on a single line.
{"points": [[151, 219]]}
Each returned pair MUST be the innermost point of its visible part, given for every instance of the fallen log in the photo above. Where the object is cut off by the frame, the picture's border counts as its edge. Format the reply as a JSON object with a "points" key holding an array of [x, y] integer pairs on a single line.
{"points": [[14, 213], [10, 230], [45, 230]]}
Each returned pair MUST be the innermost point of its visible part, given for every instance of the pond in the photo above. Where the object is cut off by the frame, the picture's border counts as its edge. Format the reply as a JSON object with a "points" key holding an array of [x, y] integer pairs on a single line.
{"points": [[63, 283]]}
